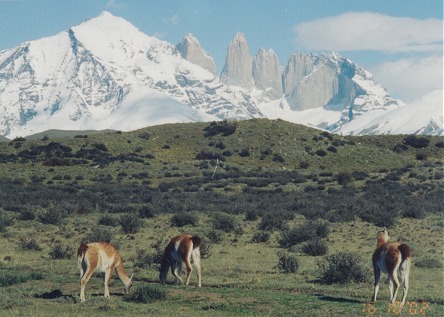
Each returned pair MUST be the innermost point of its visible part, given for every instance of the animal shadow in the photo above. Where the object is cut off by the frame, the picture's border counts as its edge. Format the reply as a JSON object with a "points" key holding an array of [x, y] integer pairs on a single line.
{"points": [[54, 294], [336, 299]]}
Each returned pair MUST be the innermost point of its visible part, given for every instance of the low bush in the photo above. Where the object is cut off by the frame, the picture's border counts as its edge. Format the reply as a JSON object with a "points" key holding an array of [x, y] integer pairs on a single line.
{"points": [[260, 237], [428, 263], [145, 259], [8, 278], [130, 223], [224, 222], [416, 141], [315, 247], [52, 216], [287, 263], [99, 234], [183, 219], [61, 251], [342, 268], [146, 294], [29, 244], [108, 220], [206, 248], [305, 232]]}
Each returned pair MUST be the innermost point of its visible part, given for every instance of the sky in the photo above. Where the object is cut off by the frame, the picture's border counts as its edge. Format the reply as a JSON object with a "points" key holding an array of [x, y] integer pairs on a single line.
{"points": [[399, 41]]}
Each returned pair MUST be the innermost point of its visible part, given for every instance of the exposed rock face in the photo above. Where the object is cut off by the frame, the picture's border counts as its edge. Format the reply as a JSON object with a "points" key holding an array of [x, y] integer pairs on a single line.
{"points": [[191, 50], [299, 65], [238, 63], [324, 81], [267, 73]]}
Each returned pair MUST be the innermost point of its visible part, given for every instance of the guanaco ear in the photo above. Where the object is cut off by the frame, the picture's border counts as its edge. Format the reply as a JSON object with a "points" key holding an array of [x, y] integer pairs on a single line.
{"points": [[131, 278]]}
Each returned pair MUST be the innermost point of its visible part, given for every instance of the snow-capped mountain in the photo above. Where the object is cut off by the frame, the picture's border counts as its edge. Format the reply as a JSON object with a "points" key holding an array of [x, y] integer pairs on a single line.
{"points": [[107, 74]]}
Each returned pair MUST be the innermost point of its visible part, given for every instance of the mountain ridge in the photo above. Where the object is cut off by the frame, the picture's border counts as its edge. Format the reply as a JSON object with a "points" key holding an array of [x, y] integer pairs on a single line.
{"points": [[106, 74]]}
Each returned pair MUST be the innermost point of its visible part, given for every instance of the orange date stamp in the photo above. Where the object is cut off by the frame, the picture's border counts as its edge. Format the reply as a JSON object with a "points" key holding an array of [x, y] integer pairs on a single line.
{"points": [[414, 308]]}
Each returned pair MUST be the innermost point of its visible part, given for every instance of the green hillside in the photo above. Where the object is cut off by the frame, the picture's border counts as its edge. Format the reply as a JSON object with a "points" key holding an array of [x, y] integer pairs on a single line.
{"points": [[272, 201]]}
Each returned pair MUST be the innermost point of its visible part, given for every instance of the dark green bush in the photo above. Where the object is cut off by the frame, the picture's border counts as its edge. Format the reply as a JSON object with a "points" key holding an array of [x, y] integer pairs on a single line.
{"points": [[206, 248], [146, 294], [225, 222], [342, 268], [146, 212], [287, 263], [29, 244], [99, 234], [183, 219], [8, 278], [428, 263], [222, 127], [260, 237], [416, 141], [145, 259], [344, 178], [130, 223], [305, 232], [321, 153], [61, 251], [108, 220], [52, 216], [315, 247]]}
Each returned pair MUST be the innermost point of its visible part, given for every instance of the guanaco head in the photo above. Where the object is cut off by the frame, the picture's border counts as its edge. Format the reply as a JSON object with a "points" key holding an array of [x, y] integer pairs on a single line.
{"points": [[383, 236], [129, 284], [163, 270]]}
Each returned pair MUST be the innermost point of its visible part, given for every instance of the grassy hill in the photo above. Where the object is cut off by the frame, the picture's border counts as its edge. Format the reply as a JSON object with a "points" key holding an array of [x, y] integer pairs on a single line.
{"points": [[261, 193]]}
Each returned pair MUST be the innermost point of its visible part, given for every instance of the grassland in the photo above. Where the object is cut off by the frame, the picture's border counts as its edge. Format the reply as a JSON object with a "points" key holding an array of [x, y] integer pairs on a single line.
{"points": [[59, 192]]}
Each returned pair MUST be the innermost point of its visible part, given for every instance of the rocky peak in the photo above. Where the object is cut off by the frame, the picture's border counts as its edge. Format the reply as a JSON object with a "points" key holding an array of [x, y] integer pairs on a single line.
{"points": [[238, 63], [267, 73], [191, 50]]}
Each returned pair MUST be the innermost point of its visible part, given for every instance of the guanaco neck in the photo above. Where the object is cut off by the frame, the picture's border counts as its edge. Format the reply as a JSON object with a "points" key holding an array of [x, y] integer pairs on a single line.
{"points": [[382, 239], [126, 280]]}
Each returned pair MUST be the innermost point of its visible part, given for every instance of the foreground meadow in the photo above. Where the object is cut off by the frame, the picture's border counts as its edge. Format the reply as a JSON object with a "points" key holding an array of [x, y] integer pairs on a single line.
{"points": [[274, 203]]}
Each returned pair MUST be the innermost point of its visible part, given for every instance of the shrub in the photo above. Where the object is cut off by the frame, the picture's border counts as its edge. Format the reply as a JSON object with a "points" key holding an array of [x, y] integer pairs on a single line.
{"points": [[342, 268], [29, 244], [225, 222], [428, 263], [344, 178], [332, 149], [146, 212], [145, 259], [260, 237], [99, 234], [52, 216], [278, 158], [130, 223], [108, 220], [275, 220], [315, 247], [416, 142], [61, 251], [305, 232], [224, 127], [215, 236], [287, 263], [8, 278], [206, 248], [5, 221], [146, 294], [244, 152], [183, 219], [321, 153]]}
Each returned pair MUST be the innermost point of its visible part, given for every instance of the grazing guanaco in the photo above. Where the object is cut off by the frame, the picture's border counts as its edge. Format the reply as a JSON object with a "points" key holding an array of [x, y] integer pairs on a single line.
{"points": [[103, 257], [389, 257], [182, 248]]}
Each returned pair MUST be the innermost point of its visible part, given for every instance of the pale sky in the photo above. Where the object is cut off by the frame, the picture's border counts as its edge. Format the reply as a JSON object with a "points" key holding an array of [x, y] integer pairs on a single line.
{"points": [[399, 41]]}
